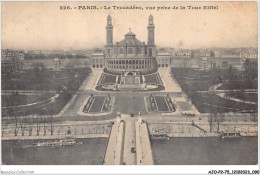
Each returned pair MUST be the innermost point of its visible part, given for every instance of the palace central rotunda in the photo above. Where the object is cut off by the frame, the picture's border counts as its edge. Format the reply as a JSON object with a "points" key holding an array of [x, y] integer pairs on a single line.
{"points": [[130, 54]]}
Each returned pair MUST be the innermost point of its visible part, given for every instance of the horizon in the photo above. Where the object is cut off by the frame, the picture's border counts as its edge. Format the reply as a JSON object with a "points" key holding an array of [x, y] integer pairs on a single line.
{"points": [[102, 48]]}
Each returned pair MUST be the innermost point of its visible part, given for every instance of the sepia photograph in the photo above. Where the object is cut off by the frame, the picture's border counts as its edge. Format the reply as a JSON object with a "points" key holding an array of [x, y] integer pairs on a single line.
{"points": [[129, 83]]}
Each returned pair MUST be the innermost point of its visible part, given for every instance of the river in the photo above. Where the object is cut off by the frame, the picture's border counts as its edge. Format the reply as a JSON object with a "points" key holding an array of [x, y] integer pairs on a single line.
{"points": [[176, 151], [205, 151], [91, 152]]}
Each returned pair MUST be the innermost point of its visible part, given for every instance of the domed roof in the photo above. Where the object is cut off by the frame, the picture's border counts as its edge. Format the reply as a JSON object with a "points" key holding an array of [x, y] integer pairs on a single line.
{"points": [[130, 34], [130, 40]]}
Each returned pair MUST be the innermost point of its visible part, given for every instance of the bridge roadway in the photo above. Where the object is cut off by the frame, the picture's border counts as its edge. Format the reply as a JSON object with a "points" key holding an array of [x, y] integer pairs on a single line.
{"points": [[126, 135], [129, 158]]}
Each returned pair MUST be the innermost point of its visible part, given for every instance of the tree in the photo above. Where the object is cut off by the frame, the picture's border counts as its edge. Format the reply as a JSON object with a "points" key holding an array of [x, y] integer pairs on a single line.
{"points": [[250, 73], [4, 125], [231, 77], [38, 126], [37, 74]]}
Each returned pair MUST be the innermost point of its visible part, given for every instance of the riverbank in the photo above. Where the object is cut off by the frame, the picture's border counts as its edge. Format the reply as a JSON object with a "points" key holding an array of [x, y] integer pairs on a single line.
{"points": [[73, 129], [203, 129], [55, 137]]}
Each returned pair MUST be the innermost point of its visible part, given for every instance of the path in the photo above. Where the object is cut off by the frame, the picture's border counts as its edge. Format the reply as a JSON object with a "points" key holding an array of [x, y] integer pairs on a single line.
{"points": [[129, 158], [92, 79], [25, 92], [236, 99], [49, 100], [169, 83], [214, 87]]}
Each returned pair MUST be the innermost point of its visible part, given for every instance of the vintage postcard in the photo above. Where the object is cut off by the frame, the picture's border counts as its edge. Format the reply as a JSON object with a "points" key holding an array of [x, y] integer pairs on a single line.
{"points": [[129, 83]]}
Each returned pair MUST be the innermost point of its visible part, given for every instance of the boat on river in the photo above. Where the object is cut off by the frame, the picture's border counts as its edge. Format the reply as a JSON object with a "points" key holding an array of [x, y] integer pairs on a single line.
{"points": [[230, 135], [159, 136], [57, 143]]}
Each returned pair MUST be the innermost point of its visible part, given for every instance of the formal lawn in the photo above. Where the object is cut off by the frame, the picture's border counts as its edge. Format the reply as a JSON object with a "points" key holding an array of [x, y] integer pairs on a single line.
{"points": [[162, 103], [97, 104], [153, 79], [107, 79]]}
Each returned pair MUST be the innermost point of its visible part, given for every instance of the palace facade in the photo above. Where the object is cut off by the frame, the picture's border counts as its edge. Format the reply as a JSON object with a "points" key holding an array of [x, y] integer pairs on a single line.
{"points": [[130, 54]]}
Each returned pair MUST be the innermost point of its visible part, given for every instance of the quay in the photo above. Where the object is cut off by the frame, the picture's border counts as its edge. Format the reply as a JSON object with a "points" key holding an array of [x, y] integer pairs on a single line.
{"points": [[202, 129], [86, 136], [57, 131]]}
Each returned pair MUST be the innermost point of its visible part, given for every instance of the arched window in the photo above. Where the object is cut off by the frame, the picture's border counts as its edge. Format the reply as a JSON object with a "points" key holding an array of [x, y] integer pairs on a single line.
{"points": [[109, 53], [139, 50], [123, 62], [130, 50], [121, 51]]}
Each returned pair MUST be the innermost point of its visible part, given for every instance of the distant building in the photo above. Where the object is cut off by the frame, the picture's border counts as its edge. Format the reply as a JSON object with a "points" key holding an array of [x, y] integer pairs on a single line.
{"points": [[183, 53], [230, 54], [57, 64], [204, 63], [21, 56], [249, 54], [97, 59], [11, 60], [163, 58]]}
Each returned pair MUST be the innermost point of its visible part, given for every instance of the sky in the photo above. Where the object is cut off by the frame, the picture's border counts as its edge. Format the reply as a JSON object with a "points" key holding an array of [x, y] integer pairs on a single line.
{"points": [[43, 26]]}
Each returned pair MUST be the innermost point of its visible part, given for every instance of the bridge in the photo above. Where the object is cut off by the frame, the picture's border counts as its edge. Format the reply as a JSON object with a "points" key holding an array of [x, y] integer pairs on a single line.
{"points": [[129, 143]]}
